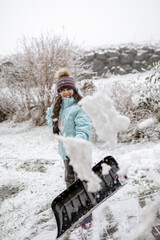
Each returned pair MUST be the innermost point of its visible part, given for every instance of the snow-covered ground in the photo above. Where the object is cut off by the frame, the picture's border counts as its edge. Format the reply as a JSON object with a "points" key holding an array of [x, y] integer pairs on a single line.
{"points": [[32, 175]]}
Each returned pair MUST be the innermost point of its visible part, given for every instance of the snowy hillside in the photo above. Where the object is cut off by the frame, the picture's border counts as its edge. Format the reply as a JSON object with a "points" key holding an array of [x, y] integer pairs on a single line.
{"points": [[32, 175]]}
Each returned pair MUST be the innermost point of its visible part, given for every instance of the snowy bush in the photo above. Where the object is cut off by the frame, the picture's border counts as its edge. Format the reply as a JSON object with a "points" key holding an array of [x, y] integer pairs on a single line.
{"points": [[140, 101], [88, 87], [150, 96], [7, 108], [30, 77]]}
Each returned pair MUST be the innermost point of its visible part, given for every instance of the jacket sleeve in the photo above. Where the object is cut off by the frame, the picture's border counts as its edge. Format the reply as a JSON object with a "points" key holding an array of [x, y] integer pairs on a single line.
{"points": [[82, 125], [49, 113]]}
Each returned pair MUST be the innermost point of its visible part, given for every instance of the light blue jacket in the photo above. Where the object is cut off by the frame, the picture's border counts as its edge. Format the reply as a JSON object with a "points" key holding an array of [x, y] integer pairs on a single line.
{"points": [[73, 122]]}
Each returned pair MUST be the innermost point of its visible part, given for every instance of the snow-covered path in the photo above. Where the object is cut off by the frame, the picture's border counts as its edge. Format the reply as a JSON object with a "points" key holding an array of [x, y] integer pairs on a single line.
{"points": [[32, 175]]}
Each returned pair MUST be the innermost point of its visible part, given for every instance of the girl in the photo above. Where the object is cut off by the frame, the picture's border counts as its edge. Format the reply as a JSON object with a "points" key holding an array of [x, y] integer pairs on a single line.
{"points": [[69, 120]]}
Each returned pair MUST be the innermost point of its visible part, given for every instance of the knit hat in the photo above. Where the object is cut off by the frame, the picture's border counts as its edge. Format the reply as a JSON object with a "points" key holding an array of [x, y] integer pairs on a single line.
{"points": [[65, 81]]}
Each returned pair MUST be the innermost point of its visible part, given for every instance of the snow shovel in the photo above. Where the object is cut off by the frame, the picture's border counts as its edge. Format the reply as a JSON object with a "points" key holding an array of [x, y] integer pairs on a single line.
{"points": [[76, 203]]}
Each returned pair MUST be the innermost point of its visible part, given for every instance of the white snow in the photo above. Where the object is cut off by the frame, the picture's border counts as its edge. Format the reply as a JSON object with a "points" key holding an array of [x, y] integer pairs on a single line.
{"points": [[47, 235], [105, 169], [135, 100], [32, 175], [124, 169], [147, 218], [146, 123], [79, 152], [155, 176], [106, 120]]}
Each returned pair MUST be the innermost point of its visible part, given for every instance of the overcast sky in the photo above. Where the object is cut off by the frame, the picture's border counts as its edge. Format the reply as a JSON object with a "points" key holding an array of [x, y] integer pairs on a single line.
{"points": [[87, 22]]}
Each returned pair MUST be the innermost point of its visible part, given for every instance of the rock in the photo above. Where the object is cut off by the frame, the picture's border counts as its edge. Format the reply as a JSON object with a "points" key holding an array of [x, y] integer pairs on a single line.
{"points": [[144, 64], [157, 51], [100, 72], [126, 58], [97, 65], [148, 49], [154, 58], [142, 55], [137, 65], [113, 53], [87, 76], [89, 57], [131, 51], [113, 61], [122, 71], [123, 49], [103, 72], [100, 56], [127, 68], [114, 70]]}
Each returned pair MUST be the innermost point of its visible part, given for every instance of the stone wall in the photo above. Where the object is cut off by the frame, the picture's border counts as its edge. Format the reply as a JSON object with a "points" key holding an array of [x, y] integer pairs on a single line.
{"points": [[122, 59]]}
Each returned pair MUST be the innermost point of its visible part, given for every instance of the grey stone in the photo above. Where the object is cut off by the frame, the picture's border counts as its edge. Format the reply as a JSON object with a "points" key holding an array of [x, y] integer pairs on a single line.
{"points": [[148, 49], [127, 67], [157, 51], [112, 53], [114, 70], [97, 65], [100, 56], [132, 51], [149, 67], [142, 55], [126, 58], [106, 70], [121, 71], [123, 49], [137, 65], [112, 61], [134, 71], [144, 63], [103, 72], [154, 58], [89, 57], [86, 76], [100, 72]]}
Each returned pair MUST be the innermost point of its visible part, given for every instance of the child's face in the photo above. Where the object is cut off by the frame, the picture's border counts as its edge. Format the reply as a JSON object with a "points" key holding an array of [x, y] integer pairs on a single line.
{"points": [[67, 92]]}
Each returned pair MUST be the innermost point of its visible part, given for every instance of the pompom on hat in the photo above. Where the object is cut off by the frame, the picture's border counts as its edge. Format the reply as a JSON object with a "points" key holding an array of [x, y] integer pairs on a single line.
{"points": [[64, 80]]}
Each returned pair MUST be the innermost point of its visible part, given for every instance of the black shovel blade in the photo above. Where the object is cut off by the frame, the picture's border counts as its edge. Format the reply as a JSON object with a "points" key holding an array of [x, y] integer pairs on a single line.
{"points": [[76, 201]]}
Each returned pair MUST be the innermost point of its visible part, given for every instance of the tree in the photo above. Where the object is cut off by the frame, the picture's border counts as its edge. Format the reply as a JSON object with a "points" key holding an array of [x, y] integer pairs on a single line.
{"points": [[30, 77]]}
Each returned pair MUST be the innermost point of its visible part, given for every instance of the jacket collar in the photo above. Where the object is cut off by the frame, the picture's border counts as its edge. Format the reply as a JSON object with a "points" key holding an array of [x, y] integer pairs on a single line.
{"points": [[67, 102]]}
